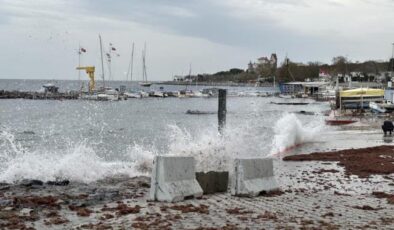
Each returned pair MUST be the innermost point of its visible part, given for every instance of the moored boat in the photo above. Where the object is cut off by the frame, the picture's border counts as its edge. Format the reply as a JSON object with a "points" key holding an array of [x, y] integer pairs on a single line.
{"points": [[132, 95], [339, 121], [376, 108], [145, 84]]}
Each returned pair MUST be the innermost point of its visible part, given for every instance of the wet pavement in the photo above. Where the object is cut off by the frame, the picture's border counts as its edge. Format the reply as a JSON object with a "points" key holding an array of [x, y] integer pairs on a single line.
{"points": [[315, 195]]}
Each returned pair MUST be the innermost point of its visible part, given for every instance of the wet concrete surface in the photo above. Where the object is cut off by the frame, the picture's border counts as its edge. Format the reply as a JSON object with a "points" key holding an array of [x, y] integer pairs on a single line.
{"points": [[315, 195]]}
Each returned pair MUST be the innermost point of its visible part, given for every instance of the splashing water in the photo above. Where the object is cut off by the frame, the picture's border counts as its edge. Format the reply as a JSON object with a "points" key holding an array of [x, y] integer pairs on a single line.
{"points": [[80, 161], [290, 132], [213, 151]]}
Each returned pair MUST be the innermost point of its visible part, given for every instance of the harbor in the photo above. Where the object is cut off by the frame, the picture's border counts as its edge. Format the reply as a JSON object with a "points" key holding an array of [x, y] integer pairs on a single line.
{"points": [[304, 132], [197, 115], [109, 187]]}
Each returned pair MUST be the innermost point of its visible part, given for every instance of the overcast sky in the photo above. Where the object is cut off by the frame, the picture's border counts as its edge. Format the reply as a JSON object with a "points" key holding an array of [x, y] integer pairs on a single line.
{"points": [[39, 38]]}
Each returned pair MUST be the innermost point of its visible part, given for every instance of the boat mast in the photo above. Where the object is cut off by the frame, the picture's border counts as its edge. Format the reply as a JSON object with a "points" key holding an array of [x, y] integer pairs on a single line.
{"points": [[144, 75], [132, 63], [79, 61], [130, 69], [190, 74], [102, 61], [109, 62]]}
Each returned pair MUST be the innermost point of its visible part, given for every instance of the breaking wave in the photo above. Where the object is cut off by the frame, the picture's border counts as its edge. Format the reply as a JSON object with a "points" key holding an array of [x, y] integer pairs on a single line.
{"points": [[289, 132], [81, 162], [77, 163]]}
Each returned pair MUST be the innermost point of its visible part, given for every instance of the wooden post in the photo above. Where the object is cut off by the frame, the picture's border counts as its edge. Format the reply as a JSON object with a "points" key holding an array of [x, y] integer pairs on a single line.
{"points": [[222, 110]]}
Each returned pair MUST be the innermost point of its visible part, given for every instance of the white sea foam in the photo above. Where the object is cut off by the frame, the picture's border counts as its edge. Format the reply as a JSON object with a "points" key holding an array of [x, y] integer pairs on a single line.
{"points": [[289, 132], [77, 163], [81, 162]]}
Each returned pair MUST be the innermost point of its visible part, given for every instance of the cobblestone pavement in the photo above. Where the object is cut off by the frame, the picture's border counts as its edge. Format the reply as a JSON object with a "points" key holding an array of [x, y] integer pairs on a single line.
{"points": [[314, 196], [289, 211]]}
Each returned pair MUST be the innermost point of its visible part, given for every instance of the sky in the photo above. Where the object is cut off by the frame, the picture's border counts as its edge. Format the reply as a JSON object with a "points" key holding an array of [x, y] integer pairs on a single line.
{"points": [[39, 39]]}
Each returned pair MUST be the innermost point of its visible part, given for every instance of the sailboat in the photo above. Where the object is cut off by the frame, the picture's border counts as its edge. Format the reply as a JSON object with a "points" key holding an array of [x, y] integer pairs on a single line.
{"points": [[131, 94], [144, 82]]}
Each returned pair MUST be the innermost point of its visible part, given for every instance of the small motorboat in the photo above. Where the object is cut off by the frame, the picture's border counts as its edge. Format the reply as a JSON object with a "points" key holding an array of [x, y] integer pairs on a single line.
{"points": [[132, 95], [376, 108], [290, 103], [305, 112], [144, 94], [286, 96], [156, 94], [198, 112], [339, 122], [145, 84]]}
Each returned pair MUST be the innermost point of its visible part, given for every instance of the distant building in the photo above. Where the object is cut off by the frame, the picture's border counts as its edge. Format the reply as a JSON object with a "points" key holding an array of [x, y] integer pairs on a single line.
{"points": [[323, 74], [307, 88], [264, 65]]}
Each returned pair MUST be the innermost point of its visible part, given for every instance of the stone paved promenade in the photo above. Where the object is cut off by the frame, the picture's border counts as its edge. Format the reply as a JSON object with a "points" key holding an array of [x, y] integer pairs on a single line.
{"points": [[314, 196]]}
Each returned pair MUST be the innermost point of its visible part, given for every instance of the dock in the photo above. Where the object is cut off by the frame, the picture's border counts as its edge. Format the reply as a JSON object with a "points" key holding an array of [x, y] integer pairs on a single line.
{"points": [[73, 95]]}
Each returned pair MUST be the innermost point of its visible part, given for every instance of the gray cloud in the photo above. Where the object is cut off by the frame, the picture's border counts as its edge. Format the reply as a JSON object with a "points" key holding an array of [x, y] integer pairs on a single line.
{"points": [[215, 34], [214, 22]]}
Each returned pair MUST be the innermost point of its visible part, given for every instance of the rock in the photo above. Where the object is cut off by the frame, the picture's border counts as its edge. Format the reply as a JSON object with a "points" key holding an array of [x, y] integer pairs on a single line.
{"points": [[97, 196], [111, 194], [30, 183], [25, 212], [59, 183], [4, 202], [4, 187], [6, 214], [60, 202]]}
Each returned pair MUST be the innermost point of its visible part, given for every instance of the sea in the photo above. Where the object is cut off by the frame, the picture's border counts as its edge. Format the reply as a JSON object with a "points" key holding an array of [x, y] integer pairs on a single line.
{"points": [[90, 140]]}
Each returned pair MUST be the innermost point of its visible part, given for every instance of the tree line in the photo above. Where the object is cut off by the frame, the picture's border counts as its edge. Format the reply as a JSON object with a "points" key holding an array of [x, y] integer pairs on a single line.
{"points": [[292, 71]]}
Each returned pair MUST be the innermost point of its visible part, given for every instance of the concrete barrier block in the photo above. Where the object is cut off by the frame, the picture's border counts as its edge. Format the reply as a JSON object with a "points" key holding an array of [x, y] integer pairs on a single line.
{"points": [[212, 181], [174, 179], [253, 176]]}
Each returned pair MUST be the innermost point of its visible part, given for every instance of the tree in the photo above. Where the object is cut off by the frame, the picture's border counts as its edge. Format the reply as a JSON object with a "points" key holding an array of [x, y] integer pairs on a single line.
{"points": [[339, 64]]}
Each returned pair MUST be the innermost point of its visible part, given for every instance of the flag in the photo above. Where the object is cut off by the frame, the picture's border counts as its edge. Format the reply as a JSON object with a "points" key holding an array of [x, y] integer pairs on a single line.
{"points": [[83, 50]]}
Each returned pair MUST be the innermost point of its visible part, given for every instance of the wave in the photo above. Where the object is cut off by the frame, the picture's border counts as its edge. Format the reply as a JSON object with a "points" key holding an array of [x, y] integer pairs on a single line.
{"points": [[77, 163], [80, 161], [289, 132]]}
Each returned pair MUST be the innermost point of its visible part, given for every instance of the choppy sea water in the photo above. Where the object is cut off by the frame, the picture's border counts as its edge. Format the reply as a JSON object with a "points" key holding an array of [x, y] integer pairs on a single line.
{"points": [[88, 140]]}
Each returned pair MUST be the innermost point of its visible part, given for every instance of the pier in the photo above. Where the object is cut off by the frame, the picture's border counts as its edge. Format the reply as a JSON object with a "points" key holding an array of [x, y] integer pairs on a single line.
{"points": [[38, 95]]}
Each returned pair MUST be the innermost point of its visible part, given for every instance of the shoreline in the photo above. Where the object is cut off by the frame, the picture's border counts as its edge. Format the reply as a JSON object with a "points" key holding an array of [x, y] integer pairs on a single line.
{"points": [[315, 194]]}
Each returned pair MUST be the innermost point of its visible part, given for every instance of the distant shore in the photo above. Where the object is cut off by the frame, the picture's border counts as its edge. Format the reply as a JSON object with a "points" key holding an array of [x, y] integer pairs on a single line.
{"points": [[213, 84]]}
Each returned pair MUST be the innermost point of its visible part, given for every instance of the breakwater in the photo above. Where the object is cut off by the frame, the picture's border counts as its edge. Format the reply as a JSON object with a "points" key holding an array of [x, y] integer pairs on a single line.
{"points": [[38, 95]]}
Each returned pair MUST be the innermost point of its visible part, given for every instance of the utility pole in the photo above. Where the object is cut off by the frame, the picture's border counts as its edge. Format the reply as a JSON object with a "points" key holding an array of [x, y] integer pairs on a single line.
{"points": [[392, 54], [392, 63]]}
